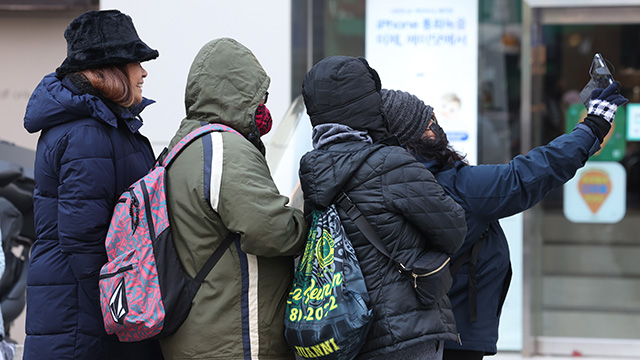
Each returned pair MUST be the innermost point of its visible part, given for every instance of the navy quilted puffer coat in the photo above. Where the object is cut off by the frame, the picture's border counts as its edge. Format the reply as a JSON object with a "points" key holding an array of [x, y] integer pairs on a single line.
{"points": [[396, 194], [86, 156]]}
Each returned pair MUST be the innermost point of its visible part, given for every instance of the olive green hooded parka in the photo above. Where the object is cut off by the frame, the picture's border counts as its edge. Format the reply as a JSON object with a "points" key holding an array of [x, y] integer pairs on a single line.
{"points": [[222, 183]]}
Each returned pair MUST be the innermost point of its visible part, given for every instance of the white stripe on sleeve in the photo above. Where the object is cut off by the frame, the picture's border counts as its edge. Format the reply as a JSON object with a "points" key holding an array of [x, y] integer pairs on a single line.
{"points": [[216, 170], [254, 332]]}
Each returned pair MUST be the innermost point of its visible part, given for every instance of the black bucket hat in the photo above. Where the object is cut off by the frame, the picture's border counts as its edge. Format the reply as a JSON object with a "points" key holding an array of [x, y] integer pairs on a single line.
{"points": [[102, 38]]}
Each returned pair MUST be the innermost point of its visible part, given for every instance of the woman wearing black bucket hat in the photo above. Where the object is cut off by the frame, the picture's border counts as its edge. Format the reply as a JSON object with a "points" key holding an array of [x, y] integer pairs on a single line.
{"points": [[90, 149]]}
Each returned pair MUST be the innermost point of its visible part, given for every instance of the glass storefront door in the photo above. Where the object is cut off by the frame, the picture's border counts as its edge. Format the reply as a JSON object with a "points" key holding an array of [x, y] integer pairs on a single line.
{"points": [[582, 241], [581, 285]]}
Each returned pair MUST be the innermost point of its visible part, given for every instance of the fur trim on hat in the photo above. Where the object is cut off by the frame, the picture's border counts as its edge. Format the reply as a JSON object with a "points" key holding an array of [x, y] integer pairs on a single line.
{"points": [[102, 38], [407, 115]]}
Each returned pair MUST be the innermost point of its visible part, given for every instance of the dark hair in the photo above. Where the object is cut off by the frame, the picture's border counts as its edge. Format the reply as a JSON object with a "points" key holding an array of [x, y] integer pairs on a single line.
{"points": [[437, 148], [113, 83]]}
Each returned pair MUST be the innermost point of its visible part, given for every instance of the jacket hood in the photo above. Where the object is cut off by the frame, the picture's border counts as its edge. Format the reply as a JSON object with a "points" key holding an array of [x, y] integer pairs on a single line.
{"points": [[225, 85], [318, 175], [345, 90], [56, 101]]}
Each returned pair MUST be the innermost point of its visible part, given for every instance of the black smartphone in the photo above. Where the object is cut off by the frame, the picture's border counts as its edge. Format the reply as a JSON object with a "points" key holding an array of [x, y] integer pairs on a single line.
{"points": [[600, 78]]}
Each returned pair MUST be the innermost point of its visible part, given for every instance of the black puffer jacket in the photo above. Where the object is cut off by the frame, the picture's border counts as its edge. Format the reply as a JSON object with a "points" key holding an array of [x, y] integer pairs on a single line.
{"points": [[397, 195]]}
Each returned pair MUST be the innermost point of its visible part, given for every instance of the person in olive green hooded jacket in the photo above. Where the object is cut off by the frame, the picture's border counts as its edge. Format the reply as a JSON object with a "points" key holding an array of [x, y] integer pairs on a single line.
{"points": [[221, 183]]}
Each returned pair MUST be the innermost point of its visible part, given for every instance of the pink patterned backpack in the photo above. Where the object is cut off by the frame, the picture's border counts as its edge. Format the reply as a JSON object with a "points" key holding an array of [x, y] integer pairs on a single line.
{"points": [[144, 292]]}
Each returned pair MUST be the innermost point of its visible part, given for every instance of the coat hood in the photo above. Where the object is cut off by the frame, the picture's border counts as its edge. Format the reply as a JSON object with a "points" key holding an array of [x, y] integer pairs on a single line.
{"points": [[318, 175], [225, 85], [56, 101], [345, 90]]}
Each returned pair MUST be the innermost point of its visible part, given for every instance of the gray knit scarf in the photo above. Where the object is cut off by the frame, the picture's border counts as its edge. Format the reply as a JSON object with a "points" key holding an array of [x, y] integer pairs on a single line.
{"points": [[325, 134]]}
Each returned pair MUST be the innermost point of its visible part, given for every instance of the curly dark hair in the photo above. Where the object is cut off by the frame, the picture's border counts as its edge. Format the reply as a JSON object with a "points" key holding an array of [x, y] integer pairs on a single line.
{"points": [[437, 148]]}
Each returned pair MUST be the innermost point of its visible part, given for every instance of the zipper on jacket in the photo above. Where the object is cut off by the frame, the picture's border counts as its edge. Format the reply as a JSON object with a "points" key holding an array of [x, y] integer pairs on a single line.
{"points": [[121, 270], [459, 339]]}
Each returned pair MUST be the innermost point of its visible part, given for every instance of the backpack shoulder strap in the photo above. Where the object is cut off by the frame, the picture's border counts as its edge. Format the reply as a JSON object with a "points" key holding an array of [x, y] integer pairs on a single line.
{"points": [[195, 134], [363, 225], [213, 259], [471, 257], [470, 254]]}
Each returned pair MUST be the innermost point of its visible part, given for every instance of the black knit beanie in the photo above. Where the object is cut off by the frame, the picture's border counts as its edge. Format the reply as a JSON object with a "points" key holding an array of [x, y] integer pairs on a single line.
{"points": [[102, 38], [407, 115]]}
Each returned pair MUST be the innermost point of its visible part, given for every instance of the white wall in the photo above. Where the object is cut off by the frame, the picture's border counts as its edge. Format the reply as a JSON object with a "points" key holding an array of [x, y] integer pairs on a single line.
{"points": [[31, 46], [178, 29]]}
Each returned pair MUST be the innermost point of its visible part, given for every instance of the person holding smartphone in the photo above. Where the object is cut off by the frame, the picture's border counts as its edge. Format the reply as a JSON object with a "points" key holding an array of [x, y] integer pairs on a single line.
{"points": [[488, 193]]}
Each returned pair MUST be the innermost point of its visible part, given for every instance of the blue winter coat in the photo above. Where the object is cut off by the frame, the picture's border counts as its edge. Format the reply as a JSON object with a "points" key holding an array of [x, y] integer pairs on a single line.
{"points": [[492, 192], [86, 156]]}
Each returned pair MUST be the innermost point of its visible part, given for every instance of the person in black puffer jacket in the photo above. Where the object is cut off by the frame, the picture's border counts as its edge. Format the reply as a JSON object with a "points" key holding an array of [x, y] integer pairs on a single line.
{"points": [[354, 152]]}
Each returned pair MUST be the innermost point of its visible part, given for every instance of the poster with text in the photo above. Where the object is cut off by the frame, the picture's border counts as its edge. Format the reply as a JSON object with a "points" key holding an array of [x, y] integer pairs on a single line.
{"points": [[633, 122], [430, 49]]}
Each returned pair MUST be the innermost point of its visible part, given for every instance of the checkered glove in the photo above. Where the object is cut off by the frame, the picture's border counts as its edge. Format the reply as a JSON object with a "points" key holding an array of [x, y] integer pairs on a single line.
{"points": [[605, 102]]}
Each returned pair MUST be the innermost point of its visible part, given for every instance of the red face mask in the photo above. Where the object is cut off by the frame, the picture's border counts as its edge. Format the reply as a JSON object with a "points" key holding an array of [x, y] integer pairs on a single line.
{"points": [[263, 120]]}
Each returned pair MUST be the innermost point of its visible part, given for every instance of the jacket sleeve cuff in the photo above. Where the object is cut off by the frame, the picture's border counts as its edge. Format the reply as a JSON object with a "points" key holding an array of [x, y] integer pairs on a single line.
{"points": [[595, 147]]}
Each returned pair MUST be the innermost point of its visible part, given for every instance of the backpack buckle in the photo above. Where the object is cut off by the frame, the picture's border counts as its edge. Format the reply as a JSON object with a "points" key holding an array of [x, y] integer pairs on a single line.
{"points": [[344, 201]]}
